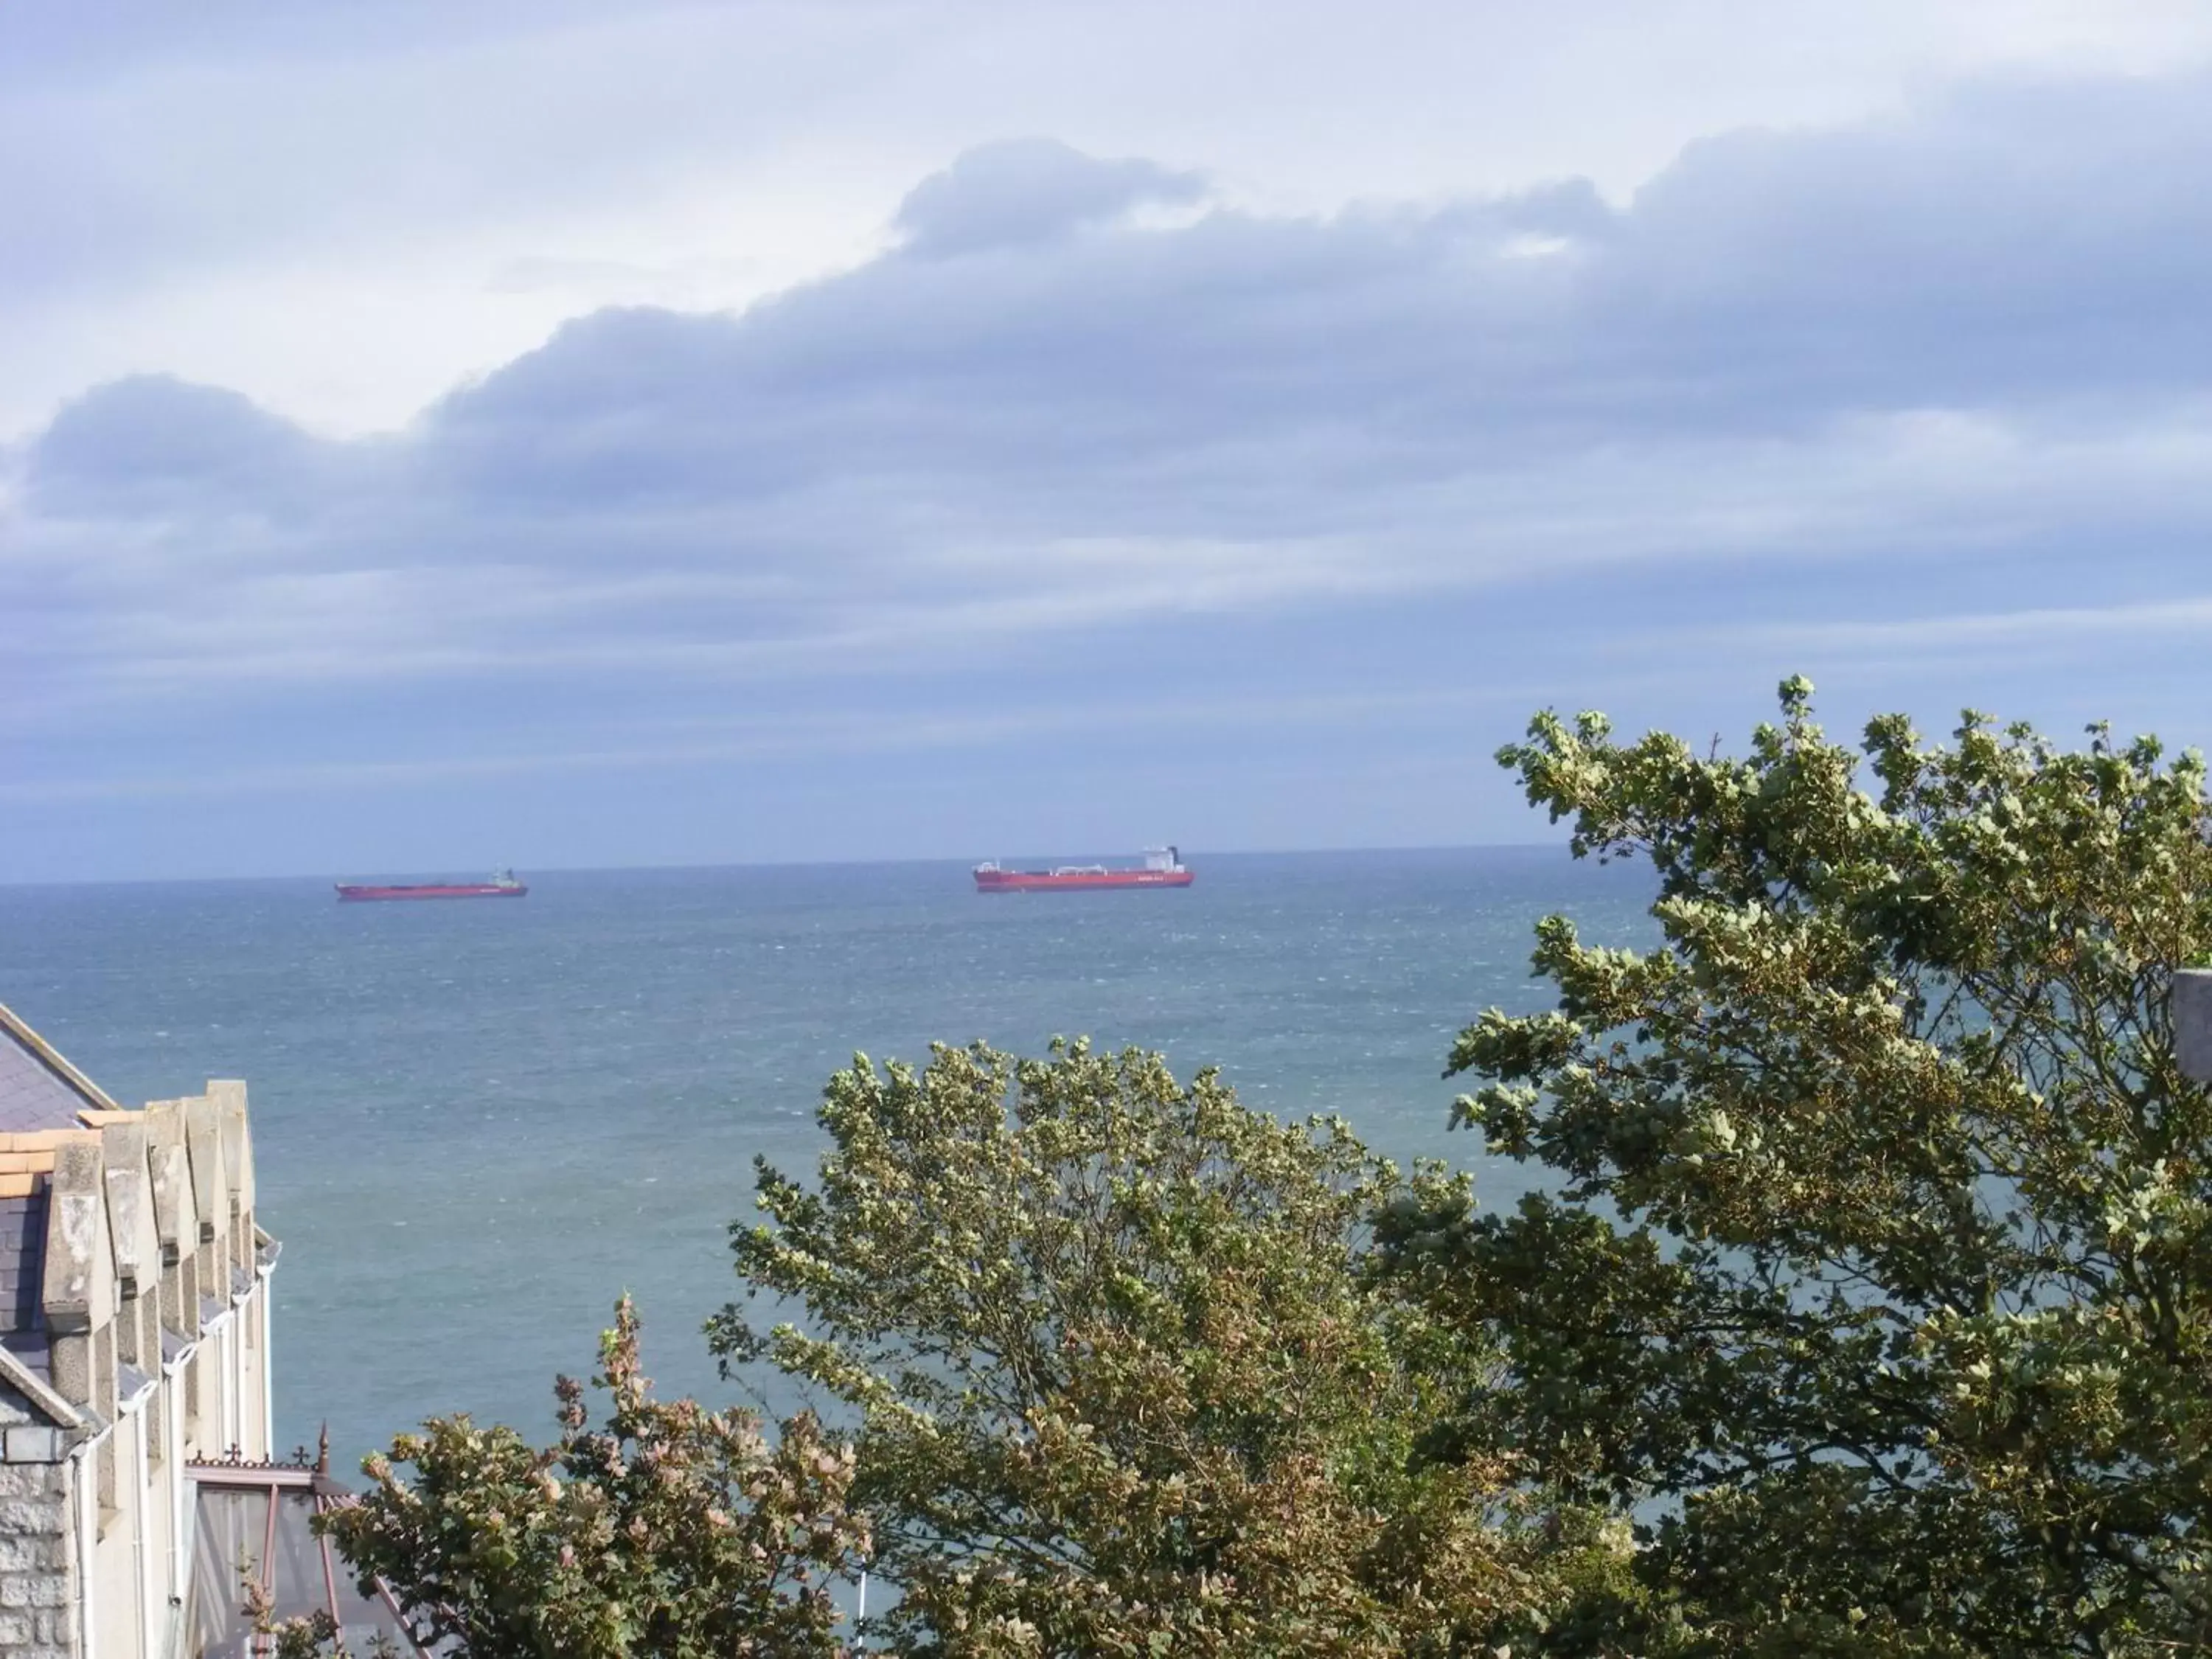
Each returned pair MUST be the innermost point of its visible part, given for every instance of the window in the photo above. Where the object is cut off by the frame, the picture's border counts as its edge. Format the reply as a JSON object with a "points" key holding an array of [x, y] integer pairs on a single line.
{"points": [[255, 1521]]}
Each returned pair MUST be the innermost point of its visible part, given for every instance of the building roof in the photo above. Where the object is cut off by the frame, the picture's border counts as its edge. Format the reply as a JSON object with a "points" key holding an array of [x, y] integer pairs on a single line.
{"points": [[77, 1226], [22, 1261], [39, 1090], [45, 1104]]}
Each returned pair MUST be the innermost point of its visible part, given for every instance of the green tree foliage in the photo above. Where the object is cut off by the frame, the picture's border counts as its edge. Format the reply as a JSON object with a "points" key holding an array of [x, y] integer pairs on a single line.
{"points": [[1125, 1389], [1879, 1267], [668, 1531]]}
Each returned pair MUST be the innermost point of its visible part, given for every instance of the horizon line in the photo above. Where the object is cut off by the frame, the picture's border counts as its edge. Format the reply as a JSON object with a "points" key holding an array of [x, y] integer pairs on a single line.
{"points": [[678, 866]]}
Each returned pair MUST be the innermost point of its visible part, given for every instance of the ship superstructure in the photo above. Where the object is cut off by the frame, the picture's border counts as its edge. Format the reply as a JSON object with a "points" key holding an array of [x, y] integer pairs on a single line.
{"points": [[1162, 867]]}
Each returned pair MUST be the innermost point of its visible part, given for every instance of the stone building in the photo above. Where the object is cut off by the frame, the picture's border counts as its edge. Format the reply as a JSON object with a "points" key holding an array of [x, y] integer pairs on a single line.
{"points": [[135, 1374]]}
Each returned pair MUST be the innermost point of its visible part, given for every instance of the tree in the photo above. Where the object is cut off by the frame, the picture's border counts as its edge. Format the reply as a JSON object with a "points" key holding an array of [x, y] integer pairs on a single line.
{"points": [[1125, 1389], [1879, 1269], [669, 1531]]}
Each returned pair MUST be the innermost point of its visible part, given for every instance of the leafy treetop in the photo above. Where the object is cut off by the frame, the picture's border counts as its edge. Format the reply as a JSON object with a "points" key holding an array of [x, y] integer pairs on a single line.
{"points": [[1876, 1266], [668, 1529], [1125, 1387]]}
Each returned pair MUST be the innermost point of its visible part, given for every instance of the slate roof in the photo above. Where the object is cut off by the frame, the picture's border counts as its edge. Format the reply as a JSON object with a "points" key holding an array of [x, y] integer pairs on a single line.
{"points": [[22, 1261], [45, 1103], [39, 1090], [34, 1348]]}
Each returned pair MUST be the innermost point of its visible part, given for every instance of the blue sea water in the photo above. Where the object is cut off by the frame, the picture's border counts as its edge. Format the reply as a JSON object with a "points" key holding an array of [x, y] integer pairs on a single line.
{"points": [[477, 1124]]}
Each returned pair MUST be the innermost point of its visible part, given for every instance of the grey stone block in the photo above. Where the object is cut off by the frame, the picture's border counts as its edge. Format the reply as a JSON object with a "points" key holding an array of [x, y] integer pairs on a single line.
{"points": [[47, 1590], [71, 1363], [33, 1445], [26, 1595], [2191, 1005], [30, 1515]]}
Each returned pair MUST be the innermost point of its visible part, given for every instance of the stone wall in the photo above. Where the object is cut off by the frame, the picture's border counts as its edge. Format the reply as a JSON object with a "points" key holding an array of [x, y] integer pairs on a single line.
{"points": [[38, 1575]]}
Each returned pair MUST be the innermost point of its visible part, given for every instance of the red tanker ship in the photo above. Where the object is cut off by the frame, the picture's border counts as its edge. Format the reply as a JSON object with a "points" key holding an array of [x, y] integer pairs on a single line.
{"points": [[1162, 867], [502, 885]]}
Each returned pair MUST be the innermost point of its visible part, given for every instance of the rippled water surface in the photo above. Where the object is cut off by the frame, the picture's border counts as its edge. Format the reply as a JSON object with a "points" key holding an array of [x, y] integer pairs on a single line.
{"points": [[476, 1123]]}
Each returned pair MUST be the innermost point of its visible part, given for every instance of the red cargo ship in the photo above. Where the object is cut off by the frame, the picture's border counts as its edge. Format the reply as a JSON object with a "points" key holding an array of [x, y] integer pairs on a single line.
{"points": [[502, 885], [1162, 867]]}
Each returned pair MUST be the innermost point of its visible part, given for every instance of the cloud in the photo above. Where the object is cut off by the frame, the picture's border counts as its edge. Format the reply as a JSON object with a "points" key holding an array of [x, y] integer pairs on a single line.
{"points": [[1043, 423], [679, 742], [1029, 190], [137, 447], [325, 207], [2042, 631]]}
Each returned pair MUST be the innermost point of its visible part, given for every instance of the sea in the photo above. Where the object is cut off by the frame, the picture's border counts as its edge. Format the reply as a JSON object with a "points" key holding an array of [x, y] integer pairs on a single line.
{"points": [[477, 1124]]}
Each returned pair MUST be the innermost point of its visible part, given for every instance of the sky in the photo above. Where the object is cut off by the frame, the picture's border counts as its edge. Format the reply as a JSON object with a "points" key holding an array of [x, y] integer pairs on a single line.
{"points": [[436, 436]]}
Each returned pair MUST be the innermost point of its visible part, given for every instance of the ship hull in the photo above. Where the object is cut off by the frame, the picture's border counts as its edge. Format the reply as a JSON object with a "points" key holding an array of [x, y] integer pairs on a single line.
{"points": [[1086, 881], [347, 894]]}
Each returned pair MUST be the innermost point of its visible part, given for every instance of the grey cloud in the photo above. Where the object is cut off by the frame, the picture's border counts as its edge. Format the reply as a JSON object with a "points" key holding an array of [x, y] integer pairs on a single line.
{"points": [[1767, 283], [1026, 190], [1980, 321], [154, 442], [2007, 239]]}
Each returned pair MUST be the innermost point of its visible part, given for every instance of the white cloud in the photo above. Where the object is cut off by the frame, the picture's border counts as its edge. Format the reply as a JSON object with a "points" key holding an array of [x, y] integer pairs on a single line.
{"points": [[1790, 347], [2021, 635], [326, 207], [1080, 452]]}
